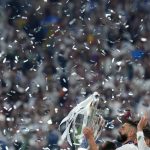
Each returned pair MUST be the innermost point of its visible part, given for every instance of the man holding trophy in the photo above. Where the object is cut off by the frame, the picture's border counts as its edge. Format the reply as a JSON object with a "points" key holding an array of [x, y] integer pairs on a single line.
{"points": [[84, 124], [85, 114], [132, 136], [126, 137]]}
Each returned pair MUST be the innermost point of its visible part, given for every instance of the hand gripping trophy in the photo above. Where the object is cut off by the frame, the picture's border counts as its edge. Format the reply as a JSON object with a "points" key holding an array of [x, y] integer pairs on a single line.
{"points": [[85, 114]]}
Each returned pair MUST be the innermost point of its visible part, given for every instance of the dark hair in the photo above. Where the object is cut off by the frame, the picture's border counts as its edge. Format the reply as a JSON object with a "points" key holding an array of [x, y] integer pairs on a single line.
{"points": [[146, 132], [130, 122], [109, 146]]}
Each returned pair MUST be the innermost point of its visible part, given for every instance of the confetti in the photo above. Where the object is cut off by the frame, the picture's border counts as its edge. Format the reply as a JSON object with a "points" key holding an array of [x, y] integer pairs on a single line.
{"points": [[119, 63], [97, 39], [143, 39], [27, 89], [65, 89], [50, 121], [56, 110], [39, 7], [72, 22]]}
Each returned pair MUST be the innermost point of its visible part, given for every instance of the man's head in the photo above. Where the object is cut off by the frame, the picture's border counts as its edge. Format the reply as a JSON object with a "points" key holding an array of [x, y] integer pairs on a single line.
{"points": [[147, 136], [108, 146], [127, 131]]}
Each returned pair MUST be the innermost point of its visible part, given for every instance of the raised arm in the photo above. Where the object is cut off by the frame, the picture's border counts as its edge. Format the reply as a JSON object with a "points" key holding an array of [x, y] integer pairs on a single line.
{"points": [[88, 133], [140, 135]]}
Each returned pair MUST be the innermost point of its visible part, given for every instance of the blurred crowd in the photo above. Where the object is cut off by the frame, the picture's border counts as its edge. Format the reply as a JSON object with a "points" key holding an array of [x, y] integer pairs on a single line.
{"points": [[54, 53]]}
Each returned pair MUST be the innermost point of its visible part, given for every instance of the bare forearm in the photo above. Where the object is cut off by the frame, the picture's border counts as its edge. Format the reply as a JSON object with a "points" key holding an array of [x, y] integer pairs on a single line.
{"points": [[92, 144]]}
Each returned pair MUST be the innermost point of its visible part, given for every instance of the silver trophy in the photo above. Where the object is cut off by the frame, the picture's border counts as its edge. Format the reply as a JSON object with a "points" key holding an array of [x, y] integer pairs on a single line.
{"points": [[85, 114]]}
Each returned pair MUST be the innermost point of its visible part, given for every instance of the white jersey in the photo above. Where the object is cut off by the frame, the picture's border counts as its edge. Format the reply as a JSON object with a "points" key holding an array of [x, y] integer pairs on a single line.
{"points": [[124, 147], [141, 142], [128, 147]]}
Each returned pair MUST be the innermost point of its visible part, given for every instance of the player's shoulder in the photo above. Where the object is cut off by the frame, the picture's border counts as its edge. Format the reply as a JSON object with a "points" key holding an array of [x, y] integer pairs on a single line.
{"points": [[128, 147]]}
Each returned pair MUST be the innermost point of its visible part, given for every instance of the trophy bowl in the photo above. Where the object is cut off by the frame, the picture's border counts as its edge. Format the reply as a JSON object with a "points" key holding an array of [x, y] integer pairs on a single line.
{"points": [[85, 114], [91, 117]]}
